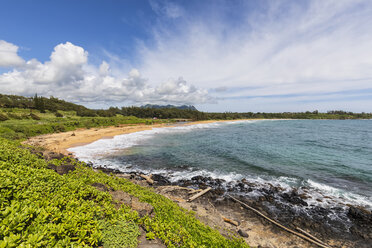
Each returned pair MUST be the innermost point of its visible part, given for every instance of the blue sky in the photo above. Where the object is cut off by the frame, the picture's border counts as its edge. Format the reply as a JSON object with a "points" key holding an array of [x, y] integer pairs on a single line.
{"points": [[271, 56]]}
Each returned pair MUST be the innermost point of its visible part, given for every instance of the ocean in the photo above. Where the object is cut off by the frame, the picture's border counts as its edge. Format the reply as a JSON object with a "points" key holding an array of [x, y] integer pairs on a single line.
{"points": [[329, 159]]}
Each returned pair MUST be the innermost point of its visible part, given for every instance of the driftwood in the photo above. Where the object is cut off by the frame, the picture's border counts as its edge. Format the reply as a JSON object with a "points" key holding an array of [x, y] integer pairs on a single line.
{"points": [[168, 188], [192, 191], [232, 222], [321, 244], [148, 178], [311, 236], [199, 194]]}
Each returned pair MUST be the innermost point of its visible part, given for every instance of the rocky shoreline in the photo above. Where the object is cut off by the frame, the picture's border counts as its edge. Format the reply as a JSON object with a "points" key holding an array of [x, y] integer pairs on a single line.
{"points": [[344, 226]]}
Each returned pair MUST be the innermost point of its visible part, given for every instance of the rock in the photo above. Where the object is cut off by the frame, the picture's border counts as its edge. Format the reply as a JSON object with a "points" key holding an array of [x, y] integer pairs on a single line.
{"points": [[122, 197], [65, 168], [359, 214], [53, 155], [100, 187], [243, 233], [294, 198], [303, 196], [62, 169], [142, 208], [108, 170], [160, 180], [52, 166]]}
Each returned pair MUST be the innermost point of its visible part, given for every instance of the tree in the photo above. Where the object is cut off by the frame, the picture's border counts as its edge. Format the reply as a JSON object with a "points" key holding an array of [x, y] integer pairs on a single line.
{"points": [[39, 103]]}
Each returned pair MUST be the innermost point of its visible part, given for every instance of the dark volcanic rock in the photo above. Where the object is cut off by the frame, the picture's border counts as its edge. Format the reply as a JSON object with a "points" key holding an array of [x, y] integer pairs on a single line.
{"points": [[108, 170], [362, 220], [294, 198], [65, 168], [360, 214], [62, 169], [243, 233], [160, 180], [53, 155]]}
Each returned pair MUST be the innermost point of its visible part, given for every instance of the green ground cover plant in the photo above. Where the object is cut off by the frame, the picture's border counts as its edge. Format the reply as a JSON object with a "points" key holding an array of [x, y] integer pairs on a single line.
{"points": [[21, 124], [40, 208]]}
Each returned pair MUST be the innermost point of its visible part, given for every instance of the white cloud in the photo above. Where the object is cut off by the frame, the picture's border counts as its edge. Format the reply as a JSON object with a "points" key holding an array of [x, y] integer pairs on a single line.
{"points": [[283, 48], [9, 55], [68, 75], [166, 9], [276, 54]]}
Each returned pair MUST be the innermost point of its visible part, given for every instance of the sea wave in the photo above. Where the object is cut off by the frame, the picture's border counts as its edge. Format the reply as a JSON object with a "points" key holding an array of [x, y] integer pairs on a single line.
{"points": [[104, 147], [319, 194]]}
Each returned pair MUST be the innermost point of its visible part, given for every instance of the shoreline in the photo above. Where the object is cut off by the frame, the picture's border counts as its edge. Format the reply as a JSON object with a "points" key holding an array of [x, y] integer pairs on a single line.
{"points": [[260, 232], [61, 142], [213, 207]]}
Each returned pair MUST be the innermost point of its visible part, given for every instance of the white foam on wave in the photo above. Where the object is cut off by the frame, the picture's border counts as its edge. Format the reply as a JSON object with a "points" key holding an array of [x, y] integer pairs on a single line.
{"points": [[97, 152], [338, 195], [104, 147]]}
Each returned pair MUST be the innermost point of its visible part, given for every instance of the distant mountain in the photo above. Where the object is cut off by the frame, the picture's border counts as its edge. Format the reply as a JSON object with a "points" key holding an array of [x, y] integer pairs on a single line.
{"points": [[189, 107]]}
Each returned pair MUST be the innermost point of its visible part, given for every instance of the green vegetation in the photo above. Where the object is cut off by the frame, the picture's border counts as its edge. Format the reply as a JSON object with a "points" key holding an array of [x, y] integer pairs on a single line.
{"points": [[40, 208], [52, 104], [174, 113], [21, 123]]}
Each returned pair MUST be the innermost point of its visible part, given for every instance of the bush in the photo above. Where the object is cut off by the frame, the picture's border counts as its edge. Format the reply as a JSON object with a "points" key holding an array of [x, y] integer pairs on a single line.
{"points": [[40, 208], [86, 113], [58, 114], [14, 116], [120, 234], [34, 116], [3, 117], [59, 128], [25, 116]]}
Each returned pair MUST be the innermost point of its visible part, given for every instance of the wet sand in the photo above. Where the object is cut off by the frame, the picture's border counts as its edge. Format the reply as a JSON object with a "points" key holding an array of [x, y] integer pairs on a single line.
{"points": [[60, 142], [210, 208]]}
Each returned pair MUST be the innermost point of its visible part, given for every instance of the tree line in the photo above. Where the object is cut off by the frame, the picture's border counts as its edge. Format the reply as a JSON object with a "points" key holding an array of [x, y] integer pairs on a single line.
{"points": [[170, 112]]}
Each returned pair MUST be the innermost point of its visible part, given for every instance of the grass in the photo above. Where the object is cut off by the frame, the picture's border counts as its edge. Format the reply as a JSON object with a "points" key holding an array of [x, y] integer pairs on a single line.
{"points": [[20, 124]]}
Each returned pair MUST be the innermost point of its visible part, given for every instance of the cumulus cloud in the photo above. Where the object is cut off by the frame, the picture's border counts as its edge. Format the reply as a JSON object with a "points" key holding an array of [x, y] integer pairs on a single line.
{"points": [[277, 48], [9, 55], [68, 75]]}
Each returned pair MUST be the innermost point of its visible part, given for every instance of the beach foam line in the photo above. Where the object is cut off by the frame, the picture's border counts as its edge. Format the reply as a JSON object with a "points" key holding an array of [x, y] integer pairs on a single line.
{"points": [[104, 147], [98, 152]]}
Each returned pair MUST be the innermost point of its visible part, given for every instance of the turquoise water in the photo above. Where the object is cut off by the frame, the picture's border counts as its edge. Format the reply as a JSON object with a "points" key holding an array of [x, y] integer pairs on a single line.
{"points": [[331, 157]]}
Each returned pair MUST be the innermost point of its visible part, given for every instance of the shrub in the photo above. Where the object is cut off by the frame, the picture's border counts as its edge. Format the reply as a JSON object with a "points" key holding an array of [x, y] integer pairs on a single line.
{"points": [[120, 234], [14, 116], [34, 116], [3, 117], [59, 128], [58, 114], [86, 113], [25, 116]]}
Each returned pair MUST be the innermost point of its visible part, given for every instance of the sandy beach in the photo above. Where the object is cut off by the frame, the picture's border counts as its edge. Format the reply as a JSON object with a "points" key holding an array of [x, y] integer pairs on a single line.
{"points": [[60, 142], [211, 210]]}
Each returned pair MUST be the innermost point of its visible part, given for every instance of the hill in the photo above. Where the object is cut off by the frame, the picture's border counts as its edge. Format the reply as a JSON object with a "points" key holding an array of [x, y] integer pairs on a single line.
{"points": [[188, 107], [54, 105]]}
